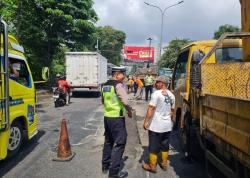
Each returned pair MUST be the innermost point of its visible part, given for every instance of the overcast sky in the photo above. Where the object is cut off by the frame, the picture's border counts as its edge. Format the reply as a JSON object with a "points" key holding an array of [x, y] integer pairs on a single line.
{"points": [[193, 19]]}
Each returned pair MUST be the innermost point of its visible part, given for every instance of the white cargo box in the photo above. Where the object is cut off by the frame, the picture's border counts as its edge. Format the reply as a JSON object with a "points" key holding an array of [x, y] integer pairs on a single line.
{"points": [[86, 69]]}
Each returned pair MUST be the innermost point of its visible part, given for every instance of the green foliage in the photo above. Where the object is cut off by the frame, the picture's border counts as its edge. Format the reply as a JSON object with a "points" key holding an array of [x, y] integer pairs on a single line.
{"points": [[48, 28], [225, 28], [57, 66], [45, 26], [111, 42], [171, 52]]}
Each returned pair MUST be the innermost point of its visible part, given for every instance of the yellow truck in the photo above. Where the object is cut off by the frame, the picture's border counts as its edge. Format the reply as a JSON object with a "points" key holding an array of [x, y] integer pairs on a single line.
{"points": [[18, 119], [211, 83]]}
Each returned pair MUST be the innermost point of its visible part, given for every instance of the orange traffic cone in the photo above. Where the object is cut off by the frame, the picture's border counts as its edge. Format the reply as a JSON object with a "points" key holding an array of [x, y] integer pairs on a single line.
{"points": [[64, 150]]}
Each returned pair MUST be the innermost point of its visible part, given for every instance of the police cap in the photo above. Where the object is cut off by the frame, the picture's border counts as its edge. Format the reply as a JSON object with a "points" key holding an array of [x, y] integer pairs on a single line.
{"points": [[118, 69]]}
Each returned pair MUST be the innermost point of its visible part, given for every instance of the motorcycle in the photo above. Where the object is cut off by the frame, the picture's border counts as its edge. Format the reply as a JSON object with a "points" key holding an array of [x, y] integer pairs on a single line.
{"points": [[59, 96]]}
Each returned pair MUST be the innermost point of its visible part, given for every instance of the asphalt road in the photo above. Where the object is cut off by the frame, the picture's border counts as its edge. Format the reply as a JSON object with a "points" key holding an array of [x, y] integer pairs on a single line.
{"points": [[85, 127], [84, 116]]}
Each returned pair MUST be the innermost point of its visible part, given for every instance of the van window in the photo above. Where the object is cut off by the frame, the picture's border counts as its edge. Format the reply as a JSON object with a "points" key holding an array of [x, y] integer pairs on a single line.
{"points": [[180, 69], [19, 72], [231, 54]]}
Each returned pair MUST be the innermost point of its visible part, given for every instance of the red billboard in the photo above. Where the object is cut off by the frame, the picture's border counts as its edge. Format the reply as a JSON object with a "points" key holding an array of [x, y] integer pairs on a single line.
{"points": [[138, 53]]}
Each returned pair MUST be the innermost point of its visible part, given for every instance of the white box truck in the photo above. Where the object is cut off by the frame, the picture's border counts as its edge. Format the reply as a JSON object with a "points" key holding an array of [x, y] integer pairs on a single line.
{"points": [[86, 70]]}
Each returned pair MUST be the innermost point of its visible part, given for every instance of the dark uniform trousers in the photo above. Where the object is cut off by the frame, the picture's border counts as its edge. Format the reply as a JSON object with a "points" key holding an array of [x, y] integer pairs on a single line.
{"points": [[149, 89], [114, 145]]}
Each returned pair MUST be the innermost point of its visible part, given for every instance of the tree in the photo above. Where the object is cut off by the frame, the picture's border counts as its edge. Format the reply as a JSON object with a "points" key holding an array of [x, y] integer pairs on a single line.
{"points": [[111, 42], [225, 28], [171, 52], [45, 26]]}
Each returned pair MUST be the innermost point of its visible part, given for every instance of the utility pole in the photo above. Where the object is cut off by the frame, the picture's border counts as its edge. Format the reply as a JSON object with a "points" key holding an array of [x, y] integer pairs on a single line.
{"points": [[149, 54], [97, 44]]}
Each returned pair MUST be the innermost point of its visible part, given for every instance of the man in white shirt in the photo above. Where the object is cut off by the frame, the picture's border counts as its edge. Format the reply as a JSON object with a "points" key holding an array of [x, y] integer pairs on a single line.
{"points": [[158, 122]]}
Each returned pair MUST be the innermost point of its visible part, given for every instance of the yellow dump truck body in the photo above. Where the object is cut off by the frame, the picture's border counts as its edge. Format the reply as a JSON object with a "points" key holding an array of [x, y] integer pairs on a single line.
{"points": [[221, 100], [226, 107]]}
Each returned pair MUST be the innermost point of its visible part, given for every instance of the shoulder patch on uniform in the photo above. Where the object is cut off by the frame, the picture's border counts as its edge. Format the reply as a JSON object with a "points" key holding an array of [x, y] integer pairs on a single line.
{"points": [[106, 88]]}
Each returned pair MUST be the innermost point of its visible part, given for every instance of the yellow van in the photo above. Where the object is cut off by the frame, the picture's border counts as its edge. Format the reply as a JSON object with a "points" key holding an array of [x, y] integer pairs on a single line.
{"points": [[18, 119]]}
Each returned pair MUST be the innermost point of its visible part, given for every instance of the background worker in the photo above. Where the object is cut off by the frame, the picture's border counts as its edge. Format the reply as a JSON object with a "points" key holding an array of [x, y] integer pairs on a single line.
{"points": [[131, 84], [140, 88], [135, 85], [149, 82], [158, 122], [115, 100]]}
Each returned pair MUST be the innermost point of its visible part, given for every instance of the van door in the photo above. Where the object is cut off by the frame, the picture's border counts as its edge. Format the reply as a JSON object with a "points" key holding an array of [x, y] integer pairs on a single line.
{"points": [[22, 95], [1, 59], [4, 87]]}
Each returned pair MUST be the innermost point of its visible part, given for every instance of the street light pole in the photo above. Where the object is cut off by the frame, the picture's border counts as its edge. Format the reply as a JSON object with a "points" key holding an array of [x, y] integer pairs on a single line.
{"points": [[149, 54], [162, 17], [97, 44]]}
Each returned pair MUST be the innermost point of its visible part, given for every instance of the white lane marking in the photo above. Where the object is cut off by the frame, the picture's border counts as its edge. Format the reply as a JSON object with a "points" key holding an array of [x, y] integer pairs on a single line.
{"points": [[97, 131], [85, 128]]}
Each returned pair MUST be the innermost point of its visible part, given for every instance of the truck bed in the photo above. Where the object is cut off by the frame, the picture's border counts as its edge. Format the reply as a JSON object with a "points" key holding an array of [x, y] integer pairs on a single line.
{"points": [[226, 108]]}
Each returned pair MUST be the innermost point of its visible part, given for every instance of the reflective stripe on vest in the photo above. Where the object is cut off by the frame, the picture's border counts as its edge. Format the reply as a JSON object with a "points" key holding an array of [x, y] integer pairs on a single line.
{"points": [[112, 104]]}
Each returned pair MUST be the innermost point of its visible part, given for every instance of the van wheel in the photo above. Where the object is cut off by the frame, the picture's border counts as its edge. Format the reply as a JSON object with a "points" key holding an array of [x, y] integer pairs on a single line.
{"points": [[15, 138]]}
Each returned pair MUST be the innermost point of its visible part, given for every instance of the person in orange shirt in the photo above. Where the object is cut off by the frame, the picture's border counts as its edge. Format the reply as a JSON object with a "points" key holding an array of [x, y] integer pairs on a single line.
{"points": [[130, 84], [135, 85], [62, 83], [140, 88]]}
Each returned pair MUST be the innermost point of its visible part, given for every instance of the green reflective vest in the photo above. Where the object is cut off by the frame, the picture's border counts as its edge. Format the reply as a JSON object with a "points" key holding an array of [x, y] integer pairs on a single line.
{"points": [[149, 80], [112, 104]]}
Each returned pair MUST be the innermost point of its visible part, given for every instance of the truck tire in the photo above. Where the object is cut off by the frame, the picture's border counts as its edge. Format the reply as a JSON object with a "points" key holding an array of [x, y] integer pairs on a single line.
{"points": [[56, 104], [185, 137], [97, 94], [192, 146], [15, 138]]}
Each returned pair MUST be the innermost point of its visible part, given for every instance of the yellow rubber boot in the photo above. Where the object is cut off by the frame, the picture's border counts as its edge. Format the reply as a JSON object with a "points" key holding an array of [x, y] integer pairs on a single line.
{"points": [[151, 167], [164, 160]]}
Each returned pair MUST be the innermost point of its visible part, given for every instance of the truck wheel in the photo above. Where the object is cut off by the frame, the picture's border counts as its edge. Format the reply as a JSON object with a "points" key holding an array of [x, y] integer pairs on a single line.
{"points": [[98, 94], [187, 134], [15, 138], [56, 103]]}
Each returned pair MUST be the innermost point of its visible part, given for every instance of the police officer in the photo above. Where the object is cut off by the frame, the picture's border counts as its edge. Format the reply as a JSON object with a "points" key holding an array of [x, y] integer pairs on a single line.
{"points": [[115, 100]]}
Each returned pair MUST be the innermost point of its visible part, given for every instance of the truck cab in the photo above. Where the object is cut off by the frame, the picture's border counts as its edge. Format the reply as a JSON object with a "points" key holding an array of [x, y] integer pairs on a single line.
{"points": [[186, 75]]}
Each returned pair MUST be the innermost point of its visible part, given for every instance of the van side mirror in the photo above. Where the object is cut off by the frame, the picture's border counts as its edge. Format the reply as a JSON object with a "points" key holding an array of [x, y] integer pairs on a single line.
{"points": [[45, 73]]}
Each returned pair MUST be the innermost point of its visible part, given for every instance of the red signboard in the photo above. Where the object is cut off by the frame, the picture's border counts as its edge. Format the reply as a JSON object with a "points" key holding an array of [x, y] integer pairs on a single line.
{"points": [[138, 53]]}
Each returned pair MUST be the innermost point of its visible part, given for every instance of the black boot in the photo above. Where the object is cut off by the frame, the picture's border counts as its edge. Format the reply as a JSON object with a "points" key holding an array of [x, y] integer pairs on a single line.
{"points": [[121, 174], [105, 169]]}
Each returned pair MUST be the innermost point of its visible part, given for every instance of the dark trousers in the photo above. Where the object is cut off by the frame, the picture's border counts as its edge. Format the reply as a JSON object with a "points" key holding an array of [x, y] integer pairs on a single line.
{"points": [[149, 88], [114, 144], [135, 88], [158, 141], [128, 87], [178, 116]]}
